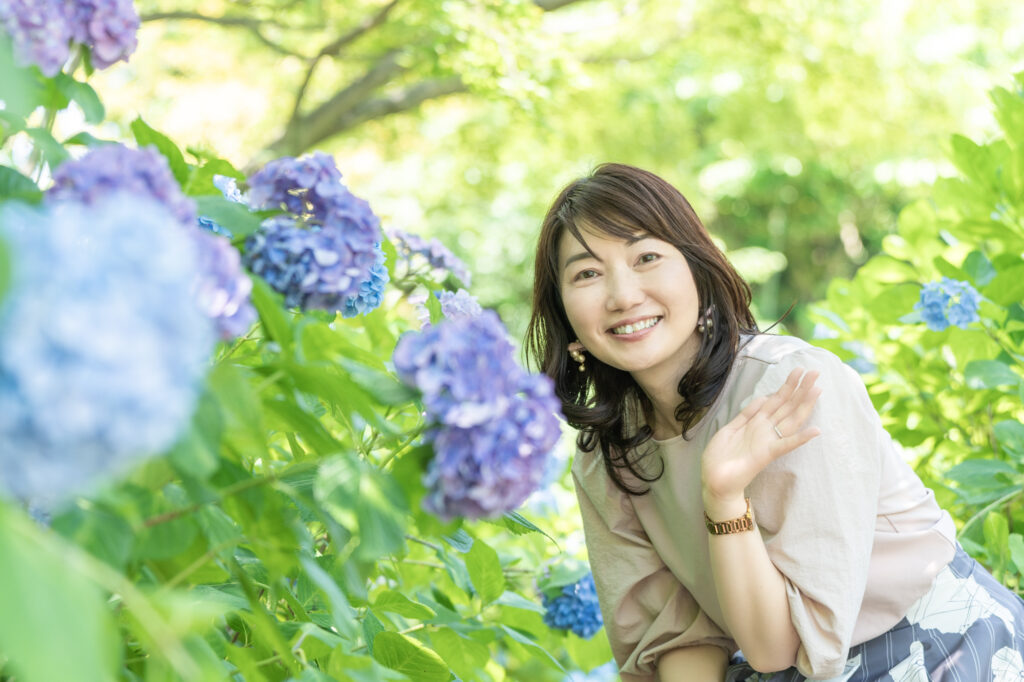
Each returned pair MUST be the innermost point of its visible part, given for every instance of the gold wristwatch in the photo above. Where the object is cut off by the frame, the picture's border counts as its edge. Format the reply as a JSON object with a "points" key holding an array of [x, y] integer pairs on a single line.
{"points": [[738, 525]]}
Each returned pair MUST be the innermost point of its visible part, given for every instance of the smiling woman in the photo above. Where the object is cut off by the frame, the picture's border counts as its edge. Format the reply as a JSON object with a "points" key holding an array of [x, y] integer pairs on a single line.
{"points": [[738, 491]]}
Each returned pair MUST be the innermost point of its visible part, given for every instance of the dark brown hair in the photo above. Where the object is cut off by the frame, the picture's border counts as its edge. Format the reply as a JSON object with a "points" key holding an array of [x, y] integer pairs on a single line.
{"points": [[603, 402]]}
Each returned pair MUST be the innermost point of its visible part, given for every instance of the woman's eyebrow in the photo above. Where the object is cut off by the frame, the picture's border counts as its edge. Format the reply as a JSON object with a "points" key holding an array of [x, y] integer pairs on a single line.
{"points": [[582, 255]]}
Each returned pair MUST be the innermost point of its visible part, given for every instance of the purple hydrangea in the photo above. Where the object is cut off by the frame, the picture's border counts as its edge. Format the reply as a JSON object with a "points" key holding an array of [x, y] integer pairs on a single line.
{"points": [[458, 304], [102, 345], [116, 168], [437, 256], [108, 27], [40, 30], [228, 186], [948, 302], [493, 424], [575, 608], [314, 268], [371, 291], [324, 248], [223, 288]]}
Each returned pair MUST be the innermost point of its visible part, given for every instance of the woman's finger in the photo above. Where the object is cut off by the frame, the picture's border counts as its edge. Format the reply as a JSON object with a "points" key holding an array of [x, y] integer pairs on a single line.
{"points": [[796, 399], [801, 412]]}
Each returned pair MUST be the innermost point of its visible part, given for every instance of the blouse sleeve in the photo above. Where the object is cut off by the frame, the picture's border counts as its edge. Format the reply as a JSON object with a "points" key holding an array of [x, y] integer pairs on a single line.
{"points": [[816, 508], [647, 612]]}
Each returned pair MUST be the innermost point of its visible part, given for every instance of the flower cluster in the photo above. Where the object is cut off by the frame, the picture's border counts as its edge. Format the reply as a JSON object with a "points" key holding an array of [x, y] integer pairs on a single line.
{"points": [[437, 256], [371, 291], [324, 248], [102, 345], [458, 304], [44, 31], [222, 287], [948, 302], [575, 608], [493, 424], [116, 168]]}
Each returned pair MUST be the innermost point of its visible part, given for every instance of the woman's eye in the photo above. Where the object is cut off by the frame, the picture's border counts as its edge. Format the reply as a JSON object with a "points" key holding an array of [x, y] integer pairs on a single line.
{"points": [[585, 274], [649, 257]]}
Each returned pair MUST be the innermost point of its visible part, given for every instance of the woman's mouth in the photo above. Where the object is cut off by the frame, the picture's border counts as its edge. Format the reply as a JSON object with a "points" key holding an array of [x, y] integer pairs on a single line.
{"points": [[636, 326]]}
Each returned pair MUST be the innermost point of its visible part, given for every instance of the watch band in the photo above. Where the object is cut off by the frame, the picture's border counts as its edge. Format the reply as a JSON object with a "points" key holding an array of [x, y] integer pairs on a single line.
{"points": [[737, 525]]}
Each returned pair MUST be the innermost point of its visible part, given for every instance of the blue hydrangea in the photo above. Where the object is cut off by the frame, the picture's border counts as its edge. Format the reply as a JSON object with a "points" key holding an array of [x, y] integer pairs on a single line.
{"points": [[212, 226], [40, 31], [575, 608], [223, 288], [228, 186], [437, 256], [325, 245], [108, 27], [102, 346], [493, 425], [948, 302], [116, 168], [371, 291]]}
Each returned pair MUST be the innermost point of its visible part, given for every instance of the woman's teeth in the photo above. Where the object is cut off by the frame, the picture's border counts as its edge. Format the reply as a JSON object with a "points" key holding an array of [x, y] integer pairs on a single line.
{"points": [[630, 328]]}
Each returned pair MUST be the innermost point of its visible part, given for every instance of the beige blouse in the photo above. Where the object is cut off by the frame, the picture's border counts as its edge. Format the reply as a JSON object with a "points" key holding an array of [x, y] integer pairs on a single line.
{"points": [[854, 532]]}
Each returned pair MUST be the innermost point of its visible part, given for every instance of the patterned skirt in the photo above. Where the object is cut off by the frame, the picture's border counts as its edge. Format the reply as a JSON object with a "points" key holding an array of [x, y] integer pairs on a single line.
{"points": [[967, 628]]}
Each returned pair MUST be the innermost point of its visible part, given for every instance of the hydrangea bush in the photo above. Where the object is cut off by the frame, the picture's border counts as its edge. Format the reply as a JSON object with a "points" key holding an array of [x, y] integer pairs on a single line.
{"points": [[936, 322], [575, 608], [277, 505]]}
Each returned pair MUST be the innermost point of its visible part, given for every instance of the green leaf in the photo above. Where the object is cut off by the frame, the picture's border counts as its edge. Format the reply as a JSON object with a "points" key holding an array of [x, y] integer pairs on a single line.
{"points": [[588, 653], [83, 95], [997, 533], [342, 614], [371, 628], [392, 601], [520, 525], [463, 655], [236, 218], [1007, 287], [53, 151], [48, 601], [86, 140], [460, 540], [145, 136], [518, 601], [533, 645], [14, 185], [1016, 544], [982, 374], [5, 271], [485, 571], [434, 307], [385, 389], [410, 657], [979, 268], [272, 315], [1010, 434]]}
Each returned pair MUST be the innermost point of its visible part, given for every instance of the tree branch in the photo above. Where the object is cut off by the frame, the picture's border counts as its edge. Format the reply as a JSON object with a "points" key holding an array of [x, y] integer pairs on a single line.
{"points": [[333, 48], [254, 26]]}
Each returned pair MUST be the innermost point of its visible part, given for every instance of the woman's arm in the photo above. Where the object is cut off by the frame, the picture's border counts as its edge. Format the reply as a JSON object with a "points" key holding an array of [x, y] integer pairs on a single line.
{"points": [[751, 591], [700, 663]]}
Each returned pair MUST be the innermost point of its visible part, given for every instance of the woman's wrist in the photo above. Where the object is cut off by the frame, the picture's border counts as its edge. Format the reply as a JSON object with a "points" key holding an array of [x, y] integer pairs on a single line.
{"points": [[724, 508]]}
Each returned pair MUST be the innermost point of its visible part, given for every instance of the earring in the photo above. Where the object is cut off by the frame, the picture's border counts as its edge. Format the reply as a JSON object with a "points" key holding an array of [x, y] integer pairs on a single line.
{"points": [[576, 353], [706, 322]]}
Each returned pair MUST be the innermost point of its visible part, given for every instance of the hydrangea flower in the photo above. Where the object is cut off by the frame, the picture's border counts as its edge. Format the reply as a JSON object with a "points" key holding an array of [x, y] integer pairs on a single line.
{"points": [[324, 248], [575, 608], [102, 345], [116, 168], [40, 31], [371, 291], [458, 304], [493, 424], [437, 256], [222, 287], [108, 27], [948, 302]]}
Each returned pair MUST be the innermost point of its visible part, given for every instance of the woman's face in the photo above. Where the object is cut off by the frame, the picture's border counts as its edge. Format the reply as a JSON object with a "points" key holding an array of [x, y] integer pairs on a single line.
{"points": [[632, 303]]}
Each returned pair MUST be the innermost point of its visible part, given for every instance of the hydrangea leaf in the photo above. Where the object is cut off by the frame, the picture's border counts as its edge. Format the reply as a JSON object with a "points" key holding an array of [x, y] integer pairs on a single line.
{"points": [[83, 95], [410, 657], [236, 218], [1010, 434], [588, 652], [392, 601], [1007, 287], [532, 645], [272, 316], [52, 150], [463, 655], [146, 136], [85, 139], [55, 603], [982, 374], [371, 628], [979, 268], [485, 571], [1016, 545]]}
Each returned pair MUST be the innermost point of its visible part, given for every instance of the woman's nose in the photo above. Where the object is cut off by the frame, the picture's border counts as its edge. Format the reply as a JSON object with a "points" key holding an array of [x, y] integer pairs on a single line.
{"points": [[624, 291]]}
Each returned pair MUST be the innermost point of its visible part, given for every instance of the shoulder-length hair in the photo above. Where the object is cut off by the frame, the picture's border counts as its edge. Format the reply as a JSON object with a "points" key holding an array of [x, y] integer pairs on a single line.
{"points": [[605, 403]]}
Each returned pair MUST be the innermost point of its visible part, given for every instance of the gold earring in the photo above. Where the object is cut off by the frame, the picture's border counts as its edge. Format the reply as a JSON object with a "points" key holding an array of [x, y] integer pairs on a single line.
{"points": [[576, 353], [706, 322]]}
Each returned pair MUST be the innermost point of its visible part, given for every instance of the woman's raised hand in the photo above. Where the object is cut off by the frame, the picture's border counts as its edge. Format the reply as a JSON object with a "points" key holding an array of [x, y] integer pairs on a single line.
{"points": [[766, 429]]}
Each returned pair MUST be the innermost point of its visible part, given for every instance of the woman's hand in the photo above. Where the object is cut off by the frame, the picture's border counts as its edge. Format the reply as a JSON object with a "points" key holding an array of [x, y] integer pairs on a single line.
{"points": [[749, 443]]}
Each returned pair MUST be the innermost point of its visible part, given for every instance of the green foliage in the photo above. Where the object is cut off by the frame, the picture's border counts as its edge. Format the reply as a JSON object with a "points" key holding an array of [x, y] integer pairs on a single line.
{"points": [[953, 397]]}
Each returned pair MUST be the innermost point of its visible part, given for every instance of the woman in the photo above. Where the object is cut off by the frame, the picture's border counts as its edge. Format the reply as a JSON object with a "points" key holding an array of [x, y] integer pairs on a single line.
{"points": [[737, 489]]}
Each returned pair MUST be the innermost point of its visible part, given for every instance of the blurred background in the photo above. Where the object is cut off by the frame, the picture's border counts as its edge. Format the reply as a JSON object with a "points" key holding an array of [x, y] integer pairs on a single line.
{"points": [[797, 129]]}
